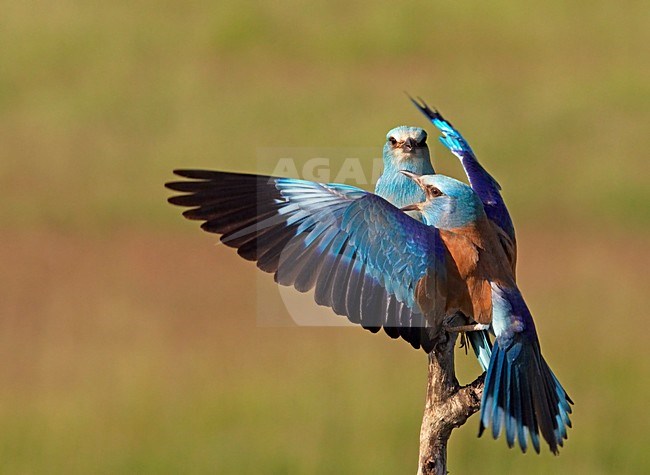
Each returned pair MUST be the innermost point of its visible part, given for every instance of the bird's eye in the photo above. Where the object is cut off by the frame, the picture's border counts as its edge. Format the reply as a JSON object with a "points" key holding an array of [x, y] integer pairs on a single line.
{"points": [[392, 141], [433, 191], [422, 142]]}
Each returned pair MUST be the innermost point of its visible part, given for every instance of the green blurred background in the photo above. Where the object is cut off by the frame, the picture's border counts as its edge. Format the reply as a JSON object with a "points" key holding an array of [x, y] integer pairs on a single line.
{"points": [[129, 343]]}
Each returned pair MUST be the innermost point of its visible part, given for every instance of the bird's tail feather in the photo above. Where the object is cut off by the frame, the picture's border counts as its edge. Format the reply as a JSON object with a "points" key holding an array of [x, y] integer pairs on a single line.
{"points": [[523, 396], [480, 341]]}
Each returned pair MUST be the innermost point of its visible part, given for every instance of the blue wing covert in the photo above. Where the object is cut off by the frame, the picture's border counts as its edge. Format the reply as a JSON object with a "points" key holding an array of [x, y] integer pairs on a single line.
{"points": [[363, 257]]}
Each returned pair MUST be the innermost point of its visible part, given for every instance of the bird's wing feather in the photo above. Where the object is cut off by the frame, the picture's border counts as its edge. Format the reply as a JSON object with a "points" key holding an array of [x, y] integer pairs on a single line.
{"points": [[485, 186], [365, 259]]}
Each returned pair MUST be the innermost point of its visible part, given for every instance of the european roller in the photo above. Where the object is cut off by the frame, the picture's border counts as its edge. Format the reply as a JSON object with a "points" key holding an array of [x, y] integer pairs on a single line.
{"points": [[371, 262], [488, 190]]}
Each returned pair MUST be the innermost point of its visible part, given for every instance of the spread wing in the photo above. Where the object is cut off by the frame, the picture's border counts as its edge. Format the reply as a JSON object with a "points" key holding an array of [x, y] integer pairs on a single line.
{"points": [[485, 186], [364, 258]]}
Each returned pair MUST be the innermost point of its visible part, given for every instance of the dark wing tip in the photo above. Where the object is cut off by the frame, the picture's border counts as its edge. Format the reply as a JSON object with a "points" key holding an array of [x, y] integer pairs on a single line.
{"points": [[176, 200], [191, 174], [415, 103], [419, 103], [429, 113], [177, 185], [196, 174]]}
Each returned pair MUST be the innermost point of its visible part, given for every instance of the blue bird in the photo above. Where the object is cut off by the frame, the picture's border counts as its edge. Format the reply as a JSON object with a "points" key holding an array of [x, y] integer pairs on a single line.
{"points": [[406, 149], [369, 261], [488, 189]]}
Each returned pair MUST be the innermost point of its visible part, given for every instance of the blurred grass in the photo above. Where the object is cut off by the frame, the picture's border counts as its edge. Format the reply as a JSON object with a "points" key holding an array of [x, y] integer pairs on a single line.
{"points": [[125, 350], [100, 100]]}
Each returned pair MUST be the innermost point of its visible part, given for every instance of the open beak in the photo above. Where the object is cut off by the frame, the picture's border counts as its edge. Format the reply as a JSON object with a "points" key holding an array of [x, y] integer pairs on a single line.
{"points": [[417, 179], [413, 176], [413, 207]]}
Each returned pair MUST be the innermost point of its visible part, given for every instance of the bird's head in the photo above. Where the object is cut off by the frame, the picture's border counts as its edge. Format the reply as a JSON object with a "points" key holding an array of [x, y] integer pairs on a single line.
{"points": [[406, 144], [449, 203]]}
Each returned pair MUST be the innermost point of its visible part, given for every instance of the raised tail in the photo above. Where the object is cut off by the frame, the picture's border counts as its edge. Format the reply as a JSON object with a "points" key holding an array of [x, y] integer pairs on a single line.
{"points": [[480, 342], [523, 397]]}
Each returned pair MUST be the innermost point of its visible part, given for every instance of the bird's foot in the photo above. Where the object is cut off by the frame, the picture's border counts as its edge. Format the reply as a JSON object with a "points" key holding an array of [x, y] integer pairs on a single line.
{"points": [[463, 341]]}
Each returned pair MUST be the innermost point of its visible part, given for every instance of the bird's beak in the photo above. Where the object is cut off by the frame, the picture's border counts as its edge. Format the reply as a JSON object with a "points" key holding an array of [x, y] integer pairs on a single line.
{"points": [[417, 179], [413, 207], [413, 176], [409, 145]]}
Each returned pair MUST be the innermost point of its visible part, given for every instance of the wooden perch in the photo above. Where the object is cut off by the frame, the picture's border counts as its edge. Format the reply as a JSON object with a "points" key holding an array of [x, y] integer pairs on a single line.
{"points": [[448, 405]]}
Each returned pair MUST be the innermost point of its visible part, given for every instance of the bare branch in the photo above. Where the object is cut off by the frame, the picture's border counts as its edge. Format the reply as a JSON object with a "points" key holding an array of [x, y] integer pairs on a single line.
{"points": [[448, 405]]}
